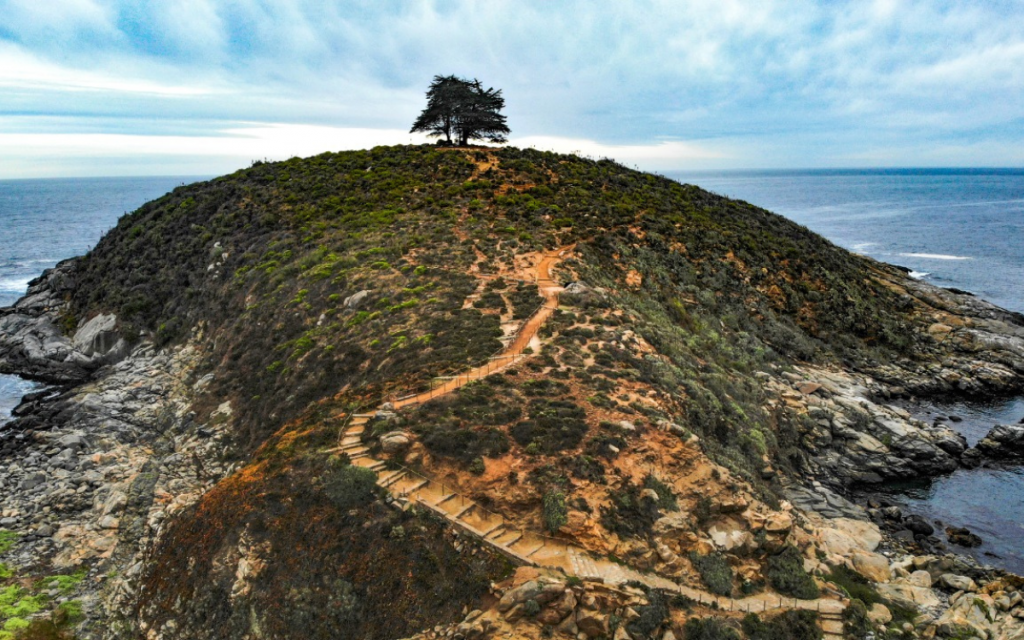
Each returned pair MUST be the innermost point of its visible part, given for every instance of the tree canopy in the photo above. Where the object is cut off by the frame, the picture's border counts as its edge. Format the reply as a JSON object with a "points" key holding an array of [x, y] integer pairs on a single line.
{"points": [[461, 110]]}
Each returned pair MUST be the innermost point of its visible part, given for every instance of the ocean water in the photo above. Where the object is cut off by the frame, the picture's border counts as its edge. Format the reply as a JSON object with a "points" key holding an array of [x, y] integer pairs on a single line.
{"points": [[953, 228], [960, 228], [45, 221]]}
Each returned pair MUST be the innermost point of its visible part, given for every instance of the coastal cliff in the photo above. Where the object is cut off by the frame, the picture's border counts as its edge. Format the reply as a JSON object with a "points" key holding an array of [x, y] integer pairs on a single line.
{"points": [[699, 383]]}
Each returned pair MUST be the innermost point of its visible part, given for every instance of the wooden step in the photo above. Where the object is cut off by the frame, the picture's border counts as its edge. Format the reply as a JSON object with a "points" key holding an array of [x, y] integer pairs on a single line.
{"points": [[376, 466], [392, 479], [511, 542], [445, 499], [486, 534], [466, 509], [536, 550], [416, 487]]}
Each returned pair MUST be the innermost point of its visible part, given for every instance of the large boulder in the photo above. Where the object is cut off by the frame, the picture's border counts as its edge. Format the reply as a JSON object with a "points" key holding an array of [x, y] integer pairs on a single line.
{"points": [[1003, 441], [97, 336], [395, 442], [909, 595], [873, 566]]}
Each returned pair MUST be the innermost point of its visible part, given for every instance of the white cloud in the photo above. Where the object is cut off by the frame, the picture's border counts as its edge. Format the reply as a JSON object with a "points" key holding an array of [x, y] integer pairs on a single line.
{"points": [[811, 82]]}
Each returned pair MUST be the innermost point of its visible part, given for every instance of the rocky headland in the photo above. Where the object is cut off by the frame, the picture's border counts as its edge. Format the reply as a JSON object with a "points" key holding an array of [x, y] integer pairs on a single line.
{"points": [[708, 384]]}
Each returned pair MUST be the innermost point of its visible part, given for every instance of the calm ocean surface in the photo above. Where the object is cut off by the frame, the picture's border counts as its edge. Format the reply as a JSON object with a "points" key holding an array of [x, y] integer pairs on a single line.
{"points": [[954, 228]]}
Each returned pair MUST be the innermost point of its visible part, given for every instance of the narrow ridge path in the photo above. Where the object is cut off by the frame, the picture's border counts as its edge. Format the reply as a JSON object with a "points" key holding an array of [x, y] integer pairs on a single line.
{"points": [[525, 546]]}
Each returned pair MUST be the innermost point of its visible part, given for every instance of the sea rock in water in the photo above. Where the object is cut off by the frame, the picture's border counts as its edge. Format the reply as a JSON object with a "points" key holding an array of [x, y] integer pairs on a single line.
{"points": [[1003, 441], [918, 525], [963, 537]]}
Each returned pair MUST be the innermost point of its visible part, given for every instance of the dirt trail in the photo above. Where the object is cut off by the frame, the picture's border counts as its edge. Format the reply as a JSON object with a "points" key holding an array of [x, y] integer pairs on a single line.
{"points": [[529, 547], [549, 290]]}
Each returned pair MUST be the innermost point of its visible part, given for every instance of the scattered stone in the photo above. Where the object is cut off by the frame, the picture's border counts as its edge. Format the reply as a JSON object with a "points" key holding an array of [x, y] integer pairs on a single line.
{"points": [[353, 301]]}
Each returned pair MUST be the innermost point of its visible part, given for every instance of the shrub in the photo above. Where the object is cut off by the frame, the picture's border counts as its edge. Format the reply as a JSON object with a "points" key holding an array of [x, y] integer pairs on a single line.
{"points": [[708, 629], [651, 617], [531, 607], [789, 625], [555, 511], [666, 498], [714, 570], [349, 486], [856, 623], [554, 425], [786, 574], [465, 445], [855, 585], [628, 514]]}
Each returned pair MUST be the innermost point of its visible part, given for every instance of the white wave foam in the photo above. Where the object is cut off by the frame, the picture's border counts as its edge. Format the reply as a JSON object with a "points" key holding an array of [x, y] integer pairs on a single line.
{"points": [[861, 247], [935, 256], [17, 285], [919, 275]]}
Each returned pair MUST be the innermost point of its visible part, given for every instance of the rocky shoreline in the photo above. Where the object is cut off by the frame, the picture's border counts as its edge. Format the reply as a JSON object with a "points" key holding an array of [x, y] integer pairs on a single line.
{"points": [[92, 465]]}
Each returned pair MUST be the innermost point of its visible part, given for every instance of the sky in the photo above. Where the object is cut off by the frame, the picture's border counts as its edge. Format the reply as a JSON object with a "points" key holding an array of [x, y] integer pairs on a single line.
{"points": [[204, 87]]}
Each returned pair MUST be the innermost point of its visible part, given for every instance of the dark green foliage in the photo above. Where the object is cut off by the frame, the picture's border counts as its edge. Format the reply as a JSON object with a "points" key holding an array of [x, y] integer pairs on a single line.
{"points": [[553, 426], [666, 498], [586, 467], [464, 109], [544, 387], [462, 425], [786, 574], [789, 625], [856, 624], [525, 299], [462, 443], [555, 510], [855, 585], [629, 514], [709, 629], [348, 486], [652, 616], [714, 570]]}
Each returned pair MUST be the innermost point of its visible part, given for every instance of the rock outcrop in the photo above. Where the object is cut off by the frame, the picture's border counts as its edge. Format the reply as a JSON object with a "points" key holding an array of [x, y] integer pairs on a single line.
{"points": [[33, 345], [1003, 441]]}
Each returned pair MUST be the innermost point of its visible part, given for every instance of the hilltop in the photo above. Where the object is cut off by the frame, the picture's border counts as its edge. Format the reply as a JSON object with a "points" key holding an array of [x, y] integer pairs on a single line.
{"points": [[697, 382]]}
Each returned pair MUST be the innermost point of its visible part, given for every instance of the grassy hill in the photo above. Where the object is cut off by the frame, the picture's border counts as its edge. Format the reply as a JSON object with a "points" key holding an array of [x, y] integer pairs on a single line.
{"points": [[323, 285]]}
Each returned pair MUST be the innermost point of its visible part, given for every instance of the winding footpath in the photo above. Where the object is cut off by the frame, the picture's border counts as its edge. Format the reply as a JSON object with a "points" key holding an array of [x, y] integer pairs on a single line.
{"points": [[529, 547]]}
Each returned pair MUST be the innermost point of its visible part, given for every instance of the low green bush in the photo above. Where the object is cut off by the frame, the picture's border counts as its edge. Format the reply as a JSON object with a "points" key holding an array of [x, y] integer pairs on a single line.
{"points": [[786, 574], [789, 625], [714, 570], [629, 514], [553, 425], [666, 498], [349, 486], [709, 629], [555, 510], [856, 624]]}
